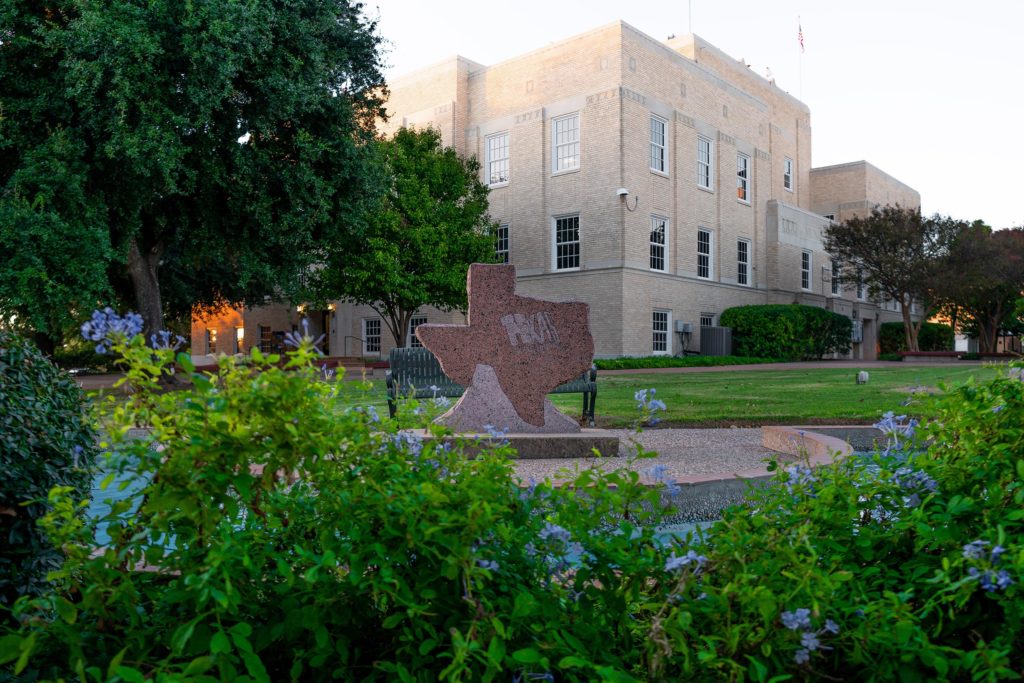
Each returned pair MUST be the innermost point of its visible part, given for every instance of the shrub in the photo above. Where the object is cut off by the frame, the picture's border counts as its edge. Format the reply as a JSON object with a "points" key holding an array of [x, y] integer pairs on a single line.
{"points": [[787, 331], [890, 356], [932, 337], [629, 363], [45, 441]]}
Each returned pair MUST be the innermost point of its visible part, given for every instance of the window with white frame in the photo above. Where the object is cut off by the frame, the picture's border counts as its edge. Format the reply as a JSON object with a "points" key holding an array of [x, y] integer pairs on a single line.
{"points": [[497, 159], [707, 319], [567, 242], [704, 270], [414, 322], [787, 173], [704, 166], [501, 244], [805, 270], [266, 339], [659, 329], [371, 335], [565, 143], [659, 144], [239, 340], [743, 262], [742, 177], [861, 288], [837, 283], [659, 235]]}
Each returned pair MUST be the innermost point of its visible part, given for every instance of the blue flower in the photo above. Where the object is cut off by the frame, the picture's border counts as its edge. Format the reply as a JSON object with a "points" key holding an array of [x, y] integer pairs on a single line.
{"points": [[802, 656], [553, 532], [831, 626], [810, 640], [676, 563], [797, 619], [648, 405], [106, 327], [799, 475], [488, 564], [162, 340], [975, 550]]}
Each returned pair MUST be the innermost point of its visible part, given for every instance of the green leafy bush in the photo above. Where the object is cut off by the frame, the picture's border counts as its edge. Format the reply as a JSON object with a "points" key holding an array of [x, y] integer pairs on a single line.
{"points": [[788, 331], [932, 337], [628, 363], [890, 356], [45, 441]]}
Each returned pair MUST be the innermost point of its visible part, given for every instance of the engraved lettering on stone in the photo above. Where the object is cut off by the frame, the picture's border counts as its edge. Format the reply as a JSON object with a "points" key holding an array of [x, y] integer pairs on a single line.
{"points": [[528, 116], [685, 120], [443, 109], [727, 138], [529, 330], [628, 94]]}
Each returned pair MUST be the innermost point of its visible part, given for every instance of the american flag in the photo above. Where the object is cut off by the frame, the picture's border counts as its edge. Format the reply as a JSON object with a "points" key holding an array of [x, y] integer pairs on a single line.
{"points": [[800, 35]]}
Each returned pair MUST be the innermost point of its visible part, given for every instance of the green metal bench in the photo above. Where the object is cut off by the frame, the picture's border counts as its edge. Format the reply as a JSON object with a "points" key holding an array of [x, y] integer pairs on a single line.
{"points": [[416, 373]]}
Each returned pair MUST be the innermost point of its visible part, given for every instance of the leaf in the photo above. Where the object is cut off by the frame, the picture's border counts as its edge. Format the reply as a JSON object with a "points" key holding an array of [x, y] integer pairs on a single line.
{"points": [[181, 636], [527, 655], [255, 667], [496, 651], [10, 648], [115, 663], [130, 675], [220, 643], [572, 662], [67, 611], [199, 665]]}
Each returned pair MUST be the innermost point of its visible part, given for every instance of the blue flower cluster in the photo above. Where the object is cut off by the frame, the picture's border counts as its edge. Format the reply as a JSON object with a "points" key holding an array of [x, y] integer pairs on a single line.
{"points": [[648, 405], [165, 340], [556, 543], [990, 578], [676, 563], [916, 483], [439, 401], [897, 427], [810, 640], [295, 340], [660, 474], [800, 476], [106, 327]]}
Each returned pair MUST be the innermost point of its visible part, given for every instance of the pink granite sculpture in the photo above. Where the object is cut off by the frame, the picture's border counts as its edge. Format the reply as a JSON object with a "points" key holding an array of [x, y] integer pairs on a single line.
{"points": [[514, 350]]}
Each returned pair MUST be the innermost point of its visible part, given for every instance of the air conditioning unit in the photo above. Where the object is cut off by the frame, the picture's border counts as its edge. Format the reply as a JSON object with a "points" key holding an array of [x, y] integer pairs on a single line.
{"points": [[684, 328], [716, 341]]}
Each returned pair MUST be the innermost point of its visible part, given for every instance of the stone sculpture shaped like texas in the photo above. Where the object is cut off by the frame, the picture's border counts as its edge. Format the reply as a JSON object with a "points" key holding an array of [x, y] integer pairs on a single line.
{"points": [[514, 350]]}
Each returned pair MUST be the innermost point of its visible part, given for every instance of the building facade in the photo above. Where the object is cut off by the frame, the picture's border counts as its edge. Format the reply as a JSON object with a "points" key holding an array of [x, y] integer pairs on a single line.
{"points": [[659, 182]]}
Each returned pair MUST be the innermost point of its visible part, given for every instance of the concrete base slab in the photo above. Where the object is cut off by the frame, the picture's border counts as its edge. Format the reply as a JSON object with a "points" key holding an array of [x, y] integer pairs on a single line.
{"points": [[581, 444]]}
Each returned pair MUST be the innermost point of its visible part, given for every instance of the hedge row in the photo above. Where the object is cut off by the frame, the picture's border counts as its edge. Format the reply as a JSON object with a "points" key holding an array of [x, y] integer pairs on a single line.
{"points": [[628, 363], [787, 331]]}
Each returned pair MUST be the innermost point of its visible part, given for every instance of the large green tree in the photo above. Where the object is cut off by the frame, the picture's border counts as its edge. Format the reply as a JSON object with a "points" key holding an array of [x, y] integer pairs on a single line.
{"points": [[985, 271], [898, 252], [421, 237], [178, 152]]}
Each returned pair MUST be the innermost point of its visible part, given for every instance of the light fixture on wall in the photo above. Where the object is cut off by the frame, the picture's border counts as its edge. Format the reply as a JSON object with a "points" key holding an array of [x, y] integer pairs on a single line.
{"points": [[333, 308], [624, 198]]}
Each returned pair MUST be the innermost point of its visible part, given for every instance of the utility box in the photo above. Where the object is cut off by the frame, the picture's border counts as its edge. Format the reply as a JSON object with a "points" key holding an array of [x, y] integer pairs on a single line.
{"points": [[684, 328], [716, 341]]}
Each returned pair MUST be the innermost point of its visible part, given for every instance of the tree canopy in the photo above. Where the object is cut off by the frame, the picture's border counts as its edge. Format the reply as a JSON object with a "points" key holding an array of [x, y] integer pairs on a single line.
{"points": [[178, 152], [417, 246], [898, 252]]}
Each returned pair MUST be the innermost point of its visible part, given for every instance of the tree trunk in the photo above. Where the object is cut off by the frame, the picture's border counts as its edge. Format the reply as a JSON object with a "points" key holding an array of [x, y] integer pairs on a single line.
{"points": [[908, 327], [142, 268]]}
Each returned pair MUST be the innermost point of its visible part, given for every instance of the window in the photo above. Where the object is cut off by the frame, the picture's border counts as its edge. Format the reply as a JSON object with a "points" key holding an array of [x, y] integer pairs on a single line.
{"points": [[239, 340], [211, 341], [659, 148], [565, 146], [787, 173], [501, 244], [743, 262], [415, 322], [707, 319], [266, 339], [567, 243], [830, 216], [659, 230], [742, 177], [805, 270], [371, 335], [704, 174], [659, 329], [497, 159], [837, 284], [861, 289], [704, 254]]}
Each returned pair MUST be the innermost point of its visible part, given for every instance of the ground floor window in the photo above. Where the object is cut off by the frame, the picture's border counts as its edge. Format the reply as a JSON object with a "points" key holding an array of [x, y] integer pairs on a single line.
{"points": [[743, 262], [416, 321], [211, 341], [707, 319], [805, 270], [659, 329], [266, 339], [371, 335]]}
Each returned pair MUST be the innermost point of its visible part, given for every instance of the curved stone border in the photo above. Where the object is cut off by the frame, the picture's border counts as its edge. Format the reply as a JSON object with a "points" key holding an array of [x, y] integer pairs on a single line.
{"points": [[819, 448]]}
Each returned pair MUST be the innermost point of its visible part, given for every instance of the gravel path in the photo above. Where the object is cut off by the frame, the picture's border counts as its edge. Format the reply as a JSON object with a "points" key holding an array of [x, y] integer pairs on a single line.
{"points": [[683, 451]]}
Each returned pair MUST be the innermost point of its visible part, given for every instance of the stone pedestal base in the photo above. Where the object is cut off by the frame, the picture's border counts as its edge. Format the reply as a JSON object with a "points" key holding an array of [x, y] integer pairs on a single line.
{"points": [[580, 444]]}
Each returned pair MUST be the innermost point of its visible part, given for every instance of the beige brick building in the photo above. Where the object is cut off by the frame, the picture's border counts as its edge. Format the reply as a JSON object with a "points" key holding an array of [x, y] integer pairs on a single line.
{"points": [[660, 182]]}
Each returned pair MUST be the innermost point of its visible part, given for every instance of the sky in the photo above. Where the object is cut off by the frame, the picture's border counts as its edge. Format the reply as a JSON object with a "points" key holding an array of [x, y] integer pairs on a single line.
{"points": [[929, 91]]}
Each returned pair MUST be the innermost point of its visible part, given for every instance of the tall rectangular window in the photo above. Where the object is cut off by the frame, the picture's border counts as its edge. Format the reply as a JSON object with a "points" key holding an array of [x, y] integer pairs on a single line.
{"points": [[659, 235], [787, 173], [415, 322], [805, 270], [861, 288], [743, 177], [567, 242], [704, 270], [704, 166], [836, 282], [266, 339], [659, 147], [497, 159], [211, 341], [565, 143], [239, 340], [659, 330], [743, 262], [501, 244], [371, 335]]}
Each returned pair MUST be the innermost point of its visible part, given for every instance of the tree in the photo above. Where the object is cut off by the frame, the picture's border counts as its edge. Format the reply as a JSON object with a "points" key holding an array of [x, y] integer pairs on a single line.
{"points": [[421, 238], [211, 147], [982, 298], [898, 252]]}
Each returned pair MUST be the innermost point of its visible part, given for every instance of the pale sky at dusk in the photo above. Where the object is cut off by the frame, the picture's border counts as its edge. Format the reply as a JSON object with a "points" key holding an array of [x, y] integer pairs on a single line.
{"points": [[929, 91]]}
